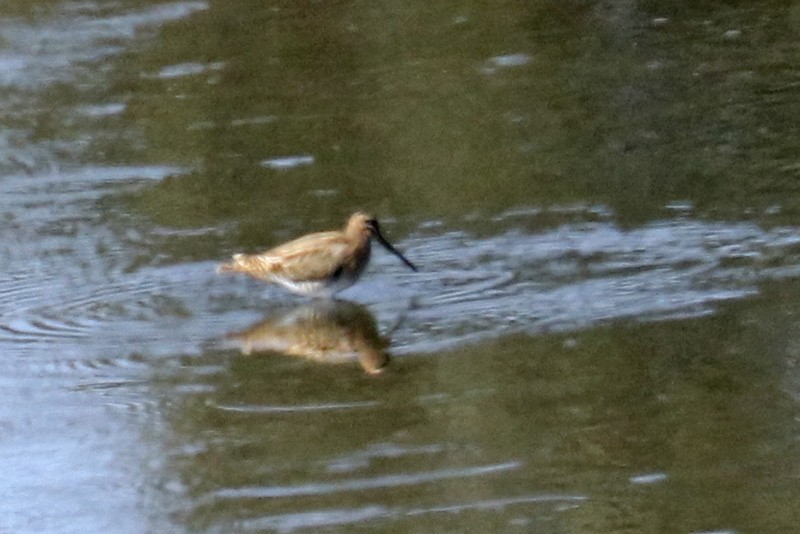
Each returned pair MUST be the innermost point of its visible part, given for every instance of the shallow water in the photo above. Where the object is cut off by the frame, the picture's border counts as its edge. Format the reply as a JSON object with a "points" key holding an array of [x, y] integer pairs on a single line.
{"points": [[600, 198]]}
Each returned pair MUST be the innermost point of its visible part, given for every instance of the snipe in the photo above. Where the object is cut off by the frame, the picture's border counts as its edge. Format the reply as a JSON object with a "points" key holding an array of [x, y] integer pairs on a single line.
{"points": [[319, 264]]}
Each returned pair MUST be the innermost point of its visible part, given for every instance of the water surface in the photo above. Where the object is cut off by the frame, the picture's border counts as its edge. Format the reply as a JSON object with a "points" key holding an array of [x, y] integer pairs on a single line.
{"points": [[600, 197]]}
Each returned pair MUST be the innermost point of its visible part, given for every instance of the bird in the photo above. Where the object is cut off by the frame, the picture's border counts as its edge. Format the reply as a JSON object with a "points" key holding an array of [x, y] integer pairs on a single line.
{"points": [[317, 265]]}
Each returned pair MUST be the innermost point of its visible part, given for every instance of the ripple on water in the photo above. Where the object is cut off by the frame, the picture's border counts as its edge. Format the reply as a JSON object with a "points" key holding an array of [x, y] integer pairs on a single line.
{"points": [[363, 458], [297, 408], [66, 46], [95, 330], [345, 516], [581, 274], [359, 484], [469, 287]]}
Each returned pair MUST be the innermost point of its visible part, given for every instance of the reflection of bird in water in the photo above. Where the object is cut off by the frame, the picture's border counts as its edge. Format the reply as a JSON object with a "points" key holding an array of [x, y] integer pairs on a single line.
{"points": [[320, 264], [332, 331]]}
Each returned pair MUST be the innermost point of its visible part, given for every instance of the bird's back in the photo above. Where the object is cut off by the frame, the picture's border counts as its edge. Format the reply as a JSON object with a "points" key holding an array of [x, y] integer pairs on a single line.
{"points": [[309, 258]]}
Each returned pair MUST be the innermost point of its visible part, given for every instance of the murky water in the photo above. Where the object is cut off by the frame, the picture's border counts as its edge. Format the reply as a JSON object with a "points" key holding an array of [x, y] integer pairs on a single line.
{"points": [[600, 197]]}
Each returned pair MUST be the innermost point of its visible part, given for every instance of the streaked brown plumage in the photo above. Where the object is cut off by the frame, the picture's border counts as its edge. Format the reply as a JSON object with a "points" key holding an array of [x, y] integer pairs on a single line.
{"points": [[319, 264]]}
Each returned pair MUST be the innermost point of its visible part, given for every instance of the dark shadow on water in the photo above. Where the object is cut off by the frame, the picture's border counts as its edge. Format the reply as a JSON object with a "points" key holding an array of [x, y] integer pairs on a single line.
{"points": [[329, 331]]}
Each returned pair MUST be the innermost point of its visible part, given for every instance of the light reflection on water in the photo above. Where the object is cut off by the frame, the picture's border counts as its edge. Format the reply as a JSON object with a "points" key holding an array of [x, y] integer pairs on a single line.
{"points": [[405, 479], [468, 288], [328, 518], [68, 44]]}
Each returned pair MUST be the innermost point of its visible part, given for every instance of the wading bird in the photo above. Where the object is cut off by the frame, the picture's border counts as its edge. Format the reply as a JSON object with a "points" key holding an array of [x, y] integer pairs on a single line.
{"points": [[319, 264]]}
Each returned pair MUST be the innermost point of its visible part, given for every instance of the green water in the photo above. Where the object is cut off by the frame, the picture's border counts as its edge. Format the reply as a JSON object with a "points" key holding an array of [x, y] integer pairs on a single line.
{"points": [[601, 199]]}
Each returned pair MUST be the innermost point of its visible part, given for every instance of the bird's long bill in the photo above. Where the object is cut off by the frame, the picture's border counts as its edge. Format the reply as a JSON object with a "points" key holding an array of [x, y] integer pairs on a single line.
{"points": [[388, 246]]}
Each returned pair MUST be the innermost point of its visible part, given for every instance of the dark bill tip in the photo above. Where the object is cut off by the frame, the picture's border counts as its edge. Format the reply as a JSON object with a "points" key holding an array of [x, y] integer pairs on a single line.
{"points": [[388, 246]]}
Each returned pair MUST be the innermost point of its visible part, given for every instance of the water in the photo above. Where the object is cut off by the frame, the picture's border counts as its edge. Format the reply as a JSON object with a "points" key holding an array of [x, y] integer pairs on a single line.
{"points": [[600, 198]]}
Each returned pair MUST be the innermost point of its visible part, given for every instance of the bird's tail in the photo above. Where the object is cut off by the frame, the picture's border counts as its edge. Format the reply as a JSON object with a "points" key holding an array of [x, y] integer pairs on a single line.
{"points": [[236, 265]]}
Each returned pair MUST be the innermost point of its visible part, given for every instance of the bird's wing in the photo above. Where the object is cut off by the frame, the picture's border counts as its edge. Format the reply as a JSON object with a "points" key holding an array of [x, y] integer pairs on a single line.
{"points": [[312, 257]]}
